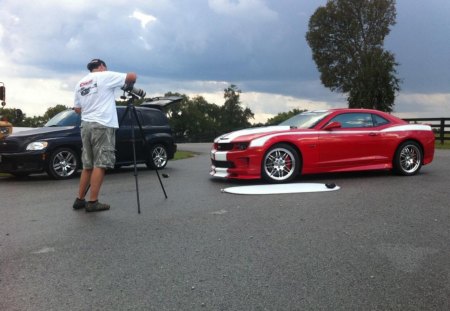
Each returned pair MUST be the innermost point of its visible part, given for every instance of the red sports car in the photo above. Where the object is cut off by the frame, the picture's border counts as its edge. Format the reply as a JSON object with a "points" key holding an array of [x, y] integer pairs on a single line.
{"points": [[323, 141]]}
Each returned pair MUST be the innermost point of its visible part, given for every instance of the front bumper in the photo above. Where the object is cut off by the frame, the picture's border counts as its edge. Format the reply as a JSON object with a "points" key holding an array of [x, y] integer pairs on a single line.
{"points": [[244, 164], [25, 162]]}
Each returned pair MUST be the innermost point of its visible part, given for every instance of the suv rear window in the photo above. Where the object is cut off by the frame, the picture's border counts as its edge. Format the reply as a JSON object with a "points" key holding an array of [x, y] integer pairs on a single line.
{"points": [[154, 117], [151, 117]]}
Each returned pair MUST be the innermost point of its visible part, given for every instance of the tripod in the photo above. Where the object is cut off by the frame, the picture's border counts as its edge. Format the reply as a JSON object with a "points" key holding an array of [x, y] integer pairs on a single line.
{"points": [[130, 111]]}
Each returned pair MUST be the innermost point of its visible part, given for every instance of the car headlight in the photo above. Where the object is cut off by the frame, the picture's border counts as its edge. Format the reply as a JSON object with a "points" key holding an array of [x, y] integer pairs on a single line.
{"points": [[241, 146], [37, 145]]}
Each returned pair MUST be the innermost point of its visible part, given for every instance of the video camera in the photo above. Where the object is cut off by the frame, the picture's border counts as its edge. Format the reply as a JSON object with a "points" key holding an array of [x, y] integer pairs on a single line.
{"points": [[133, 91]]}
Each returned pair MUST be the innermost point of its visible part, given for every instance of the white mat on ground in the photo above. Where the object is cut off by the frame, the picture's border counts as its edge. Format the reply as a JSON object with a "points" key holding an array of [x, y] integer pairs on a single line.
{"points": [[282, 188]]}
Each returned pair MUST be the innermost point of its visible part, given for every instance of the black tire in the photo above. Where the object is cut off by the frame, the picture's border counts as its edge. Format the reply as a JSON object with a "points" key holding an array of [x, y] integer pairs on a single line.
{"points": [[158, 157], [281, 163], [408, 159], [63, 164]]}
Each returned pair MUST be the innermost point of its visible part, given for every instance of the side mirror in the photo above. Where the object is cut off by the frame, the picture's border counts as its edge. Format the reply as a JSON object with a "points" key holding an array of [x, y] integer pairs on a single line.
{"points": [[332, 126]]}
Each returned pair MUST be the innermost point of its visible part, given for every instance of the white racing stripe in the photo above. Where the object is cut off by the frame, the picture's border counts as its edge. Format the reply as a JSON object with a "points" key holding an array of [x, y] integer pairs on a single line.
{"points": [[408, 127], [219, 155], [219, 172], [259, 130], [400, 128]]}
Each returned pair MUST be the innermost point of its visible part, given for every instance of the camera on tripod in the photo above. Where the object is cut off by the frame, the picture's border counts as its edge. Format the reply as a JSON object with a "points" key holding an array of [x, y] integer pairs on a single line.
{"points": [[130, 111], [133, 91]]}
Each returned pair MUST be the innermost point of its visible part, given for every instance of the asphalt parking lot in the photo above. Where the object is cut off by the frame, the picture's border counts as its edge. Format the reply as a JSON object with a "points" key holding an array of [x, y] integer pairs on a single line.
{"points": [[381, 242]]}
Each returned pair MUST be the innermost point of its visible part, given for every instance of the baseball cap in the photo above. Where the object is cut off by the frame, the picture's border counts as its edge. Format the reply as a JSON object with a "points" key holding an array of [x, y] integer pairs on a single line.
{"points": [[95, 63]]}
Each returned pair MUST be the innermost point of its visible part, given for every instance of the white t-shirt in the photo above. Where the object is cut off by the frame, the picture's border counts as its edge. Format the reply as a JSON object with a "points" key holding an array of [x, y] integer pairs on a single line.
{"points": [[94, 94]]}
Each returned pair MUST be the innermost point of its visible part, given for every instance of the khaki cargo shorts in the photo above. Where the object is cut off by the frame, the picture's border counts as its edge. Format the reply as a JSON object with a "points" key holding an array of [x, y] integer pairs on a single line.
{"points": [[99, 143]]}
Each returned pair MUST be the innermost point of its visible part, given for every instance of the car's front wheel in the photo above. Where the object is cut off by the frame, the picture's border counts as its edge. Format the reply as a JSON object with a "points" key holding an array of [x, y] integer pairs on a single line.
{"points": [[158, 157], [281, 163], [408, 158], [63, 163]]}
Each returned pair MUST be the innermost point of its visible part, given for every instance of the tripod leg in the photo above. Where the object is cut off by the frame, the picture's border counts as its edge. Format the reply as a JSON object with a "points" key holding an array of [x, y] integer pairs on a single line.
{"points": [[134, 158], [160, 182], [87, 189], [137, 189], [147, 147]]}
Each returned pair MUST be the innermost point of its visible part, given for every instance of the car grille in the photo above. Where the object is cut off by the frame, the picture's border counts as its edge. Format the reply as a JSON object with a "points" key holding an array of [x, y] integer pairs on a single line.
{"points": [[8, 165], [225, 147], [9, 146], [224, 164]]}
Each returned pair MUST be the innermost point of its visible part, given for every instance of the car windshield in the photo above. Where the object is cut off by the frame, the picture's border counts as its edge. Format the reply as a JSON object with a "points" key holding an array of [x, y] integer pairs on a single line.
{"points": [[305, 120], [64, 118]]}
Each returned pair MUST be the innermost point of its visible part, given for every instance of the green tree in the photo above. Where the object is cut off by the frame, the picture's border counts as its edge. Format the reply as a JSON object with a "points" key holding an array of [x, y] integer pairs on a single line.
{"points": [[53, 111], [35, 121], [283, 116], [17, 118], [232, 115], [346, 38], [193, 119], [12, 115], [197, 120]]}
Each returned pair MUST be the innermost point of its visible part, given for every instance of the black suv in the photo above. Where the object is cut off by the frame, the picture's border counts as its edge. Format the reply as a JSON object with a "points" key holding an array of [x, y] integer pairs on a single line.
{"points": [[56, 147]]}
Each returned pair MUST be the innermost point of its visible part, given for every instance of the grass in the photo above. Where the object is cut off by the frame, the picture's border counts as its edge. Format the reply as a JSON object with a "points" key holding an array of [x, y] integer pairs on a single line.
{"points": [[445, 145], [181, 154]]}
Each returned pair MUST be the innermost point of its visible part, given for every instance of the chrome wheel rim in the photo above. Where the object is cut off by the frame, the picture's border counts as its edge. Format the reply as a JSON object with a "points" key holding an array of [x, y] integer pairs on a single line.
{"points": [[410, 158], [279, 164], [64, 163], [159, 156]]}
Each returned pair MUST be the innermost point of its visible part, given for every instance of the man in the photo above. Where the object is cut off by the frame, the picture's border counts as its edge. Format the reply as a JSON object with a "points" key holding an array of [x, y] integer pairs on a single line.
{"points": [[95, 100]]}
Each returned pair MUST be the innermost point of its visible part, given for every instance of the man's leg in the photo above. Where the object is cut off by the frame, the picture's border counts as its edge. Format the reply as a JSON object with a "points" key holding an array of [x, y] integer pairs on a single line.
{"points": [[96, 182], [84, 182], [103, 157]]}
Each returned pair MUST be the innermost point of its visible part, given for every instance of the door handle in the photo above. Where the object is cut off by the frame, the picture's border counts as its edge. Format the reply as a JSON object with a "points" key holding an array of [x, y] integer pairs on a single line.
{"points": [[373, 134]]}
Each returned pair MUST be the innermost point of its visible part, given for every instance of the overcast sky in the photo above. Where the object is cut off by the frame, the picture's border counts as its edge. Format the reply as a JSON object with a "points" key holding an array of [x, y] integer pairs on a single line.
{"points": [[200, 47]]}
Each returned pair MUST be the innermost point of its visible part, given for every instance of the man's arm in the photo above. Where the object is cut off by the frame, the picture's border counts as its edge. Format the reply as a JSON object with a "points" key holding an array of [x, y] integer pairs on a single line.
{"points": [[130, 78]]}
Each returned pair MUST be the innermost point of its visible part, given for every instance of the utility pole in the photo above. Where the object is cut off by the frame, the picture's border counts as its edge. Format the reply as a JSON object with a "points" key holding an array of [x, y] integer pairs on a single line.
{"points": [[2, 94]]}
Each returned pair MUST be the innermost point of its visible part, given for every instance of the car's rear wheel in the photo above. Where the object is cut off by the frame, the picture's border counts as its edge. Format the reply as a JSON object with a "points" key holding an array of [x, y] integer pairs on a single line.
{"points": [[63, 163], [408, 158], [281, 163], [158, 157]]}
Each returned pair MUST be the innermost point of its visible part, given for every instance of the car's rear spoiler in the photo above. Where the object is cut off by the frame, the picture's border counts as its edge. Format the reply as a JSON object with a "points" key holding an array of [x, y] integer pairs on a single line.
{"points": [[160, 102]]}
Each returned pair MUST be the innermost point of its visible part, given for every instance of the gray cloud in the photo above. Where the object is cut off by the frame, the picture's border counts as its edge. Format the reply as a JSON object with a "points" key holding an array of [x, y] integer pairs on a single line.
{"points": [[257, 44]]}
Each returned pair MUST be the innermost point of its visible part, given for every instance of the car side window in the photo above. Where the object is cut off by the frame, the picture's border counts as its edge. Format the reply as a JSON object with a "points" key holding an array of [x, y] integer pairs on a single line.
{"points": [[378, 121], [354, 120]]}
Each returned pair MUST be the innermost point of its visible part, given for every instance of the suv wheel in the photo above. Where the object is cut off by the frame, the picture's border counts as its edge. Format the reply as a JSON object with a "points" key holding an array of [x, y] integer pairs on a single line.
{"points": [[158, 157], [63, 163]]}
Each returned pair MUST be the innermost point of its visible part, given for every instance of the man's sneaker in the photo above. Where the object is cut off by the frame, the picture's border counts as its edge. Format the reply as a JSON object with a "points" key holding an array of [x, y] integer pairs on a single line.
{"points": [[79, 204], [96, 207]]}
